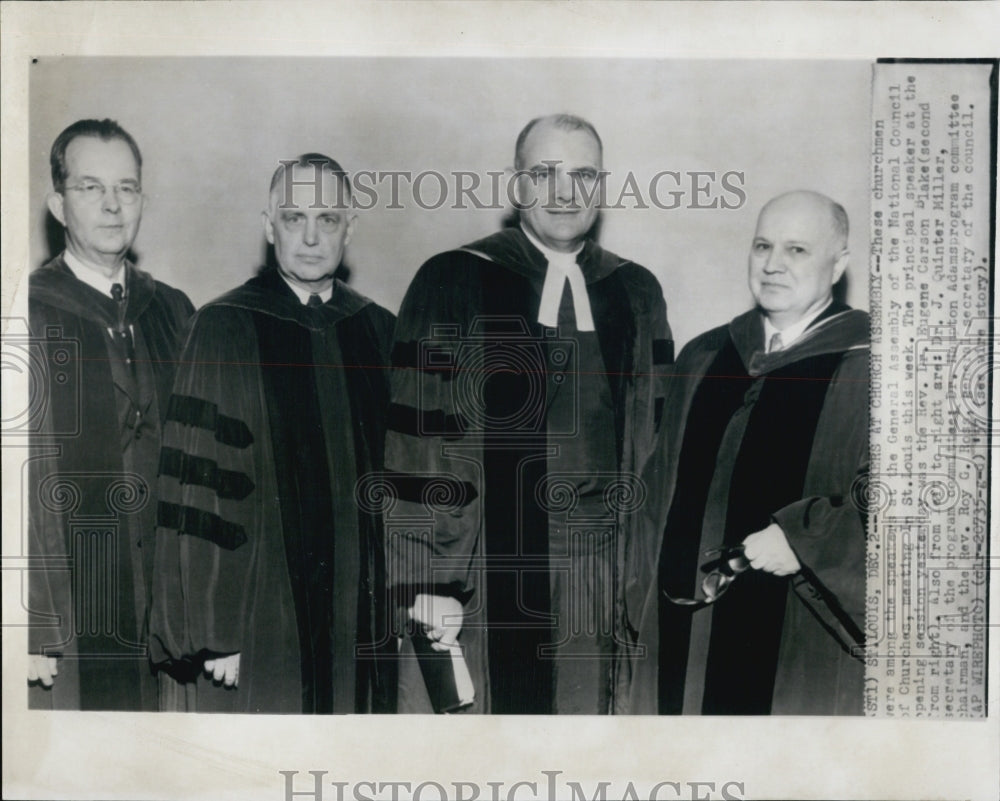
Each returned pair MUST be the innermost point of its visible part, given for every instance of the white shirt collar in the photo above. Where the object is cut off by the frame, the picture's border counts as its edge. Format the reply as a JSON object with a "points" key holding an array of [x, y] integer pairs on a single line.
{"points": [[793, 332], [562, 267], [303, 294], [92, 276]]}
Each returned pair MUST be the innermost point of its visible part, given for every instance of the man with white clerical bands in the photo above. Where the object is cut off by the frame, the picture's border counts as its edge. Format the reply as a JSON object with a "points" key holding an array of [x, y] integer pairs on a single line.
{"points": [[109, 334], [757, 589], [524, 405], [268, 574]]}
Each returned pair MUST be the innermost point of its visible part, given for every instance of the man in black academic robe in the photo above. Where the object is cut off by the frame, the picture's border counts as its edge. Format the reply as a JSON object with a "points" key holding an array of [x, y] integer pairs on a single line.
{"points": [[523, 408], [268, 573], [108, 335], [764, 450]]}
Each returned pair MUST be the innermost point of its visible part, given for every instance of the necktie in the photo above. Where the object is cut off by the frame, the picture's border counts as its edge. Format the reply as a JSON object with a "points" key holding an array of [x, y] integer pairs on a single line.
{"points": [[563, 268], [315, 301], [775, 343], [122, 334]]}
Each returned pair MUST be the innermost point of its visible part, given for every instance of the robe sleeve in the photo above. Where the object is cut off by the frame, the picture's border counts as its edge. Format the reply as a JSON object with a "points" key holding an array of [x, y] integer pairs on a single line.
{"points": [[49, 583], [827, 528], [656, 349], [433, 526], [207, 537]]}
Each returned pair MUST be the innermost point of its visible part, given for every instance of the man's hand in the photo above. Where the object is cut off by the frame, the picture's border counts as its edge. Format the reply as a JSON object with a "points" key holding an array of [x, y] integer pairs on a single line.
{"points": [[442, 618], [224, 669], [42, 668], [768, 550]]}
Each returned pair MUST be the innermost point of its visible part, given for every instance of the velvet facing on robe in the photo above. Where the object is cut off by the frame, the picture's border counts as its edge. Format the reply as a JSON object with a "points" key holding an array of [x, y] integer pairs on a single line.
{"points": [[272, 557], [483, 397]]}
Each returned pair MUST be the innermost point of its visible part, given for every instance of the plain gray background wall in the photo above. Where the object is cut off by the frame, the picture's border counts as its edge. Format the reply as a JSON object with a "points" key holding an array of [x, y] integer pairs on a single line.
{"points": [[213, 129]]}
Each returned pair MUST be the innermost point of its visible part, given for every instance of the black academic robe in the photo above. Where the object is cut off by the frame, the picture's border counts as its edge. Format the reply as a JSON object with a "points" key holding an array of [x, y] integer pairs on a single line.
{"points": [[92, 481], [513, 453], [262, 550], [751, 439]]}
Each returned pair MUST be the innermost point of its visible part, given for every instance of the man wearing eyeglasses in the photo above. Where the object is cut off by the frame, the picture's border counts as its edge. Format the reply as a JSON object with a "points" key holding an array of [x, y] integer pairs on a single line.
{"points": [[757, 589], [109, 334], [269, 575]]}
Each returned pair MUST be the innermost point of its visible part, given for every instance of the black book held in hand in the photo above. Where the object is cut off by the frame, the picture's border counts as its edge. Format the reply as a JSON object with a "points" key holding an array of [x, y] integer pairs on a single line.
{"points": [[446, 675]]}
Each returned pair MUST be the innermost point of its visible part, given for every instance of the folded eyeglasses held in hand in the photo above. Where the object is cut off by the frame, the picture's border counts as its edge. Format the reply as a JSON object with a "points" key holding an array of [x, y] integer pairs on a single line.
{"points": [[719, 574]]}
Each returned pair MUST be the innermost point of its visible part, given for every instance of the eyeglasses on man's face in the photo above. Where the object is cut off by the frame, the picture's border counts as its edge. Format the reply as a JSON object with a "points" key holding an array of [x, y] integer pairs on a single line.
{"points": [[719, 572], [127, 192]]}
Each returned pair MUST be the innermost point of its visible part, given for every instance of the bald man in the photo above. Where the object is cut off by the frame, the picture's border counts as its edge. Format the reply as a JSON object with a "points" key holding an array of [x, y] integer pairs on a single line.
{"points": [[756, 585]]}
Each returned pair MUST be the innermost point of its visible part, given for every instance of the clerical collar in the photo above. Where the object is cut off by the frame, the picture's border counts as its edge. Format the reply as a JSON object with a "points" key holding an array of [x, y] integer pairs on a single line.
{"points": [[562, 267], [792, 332], [303, 294], [92, 276]]}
